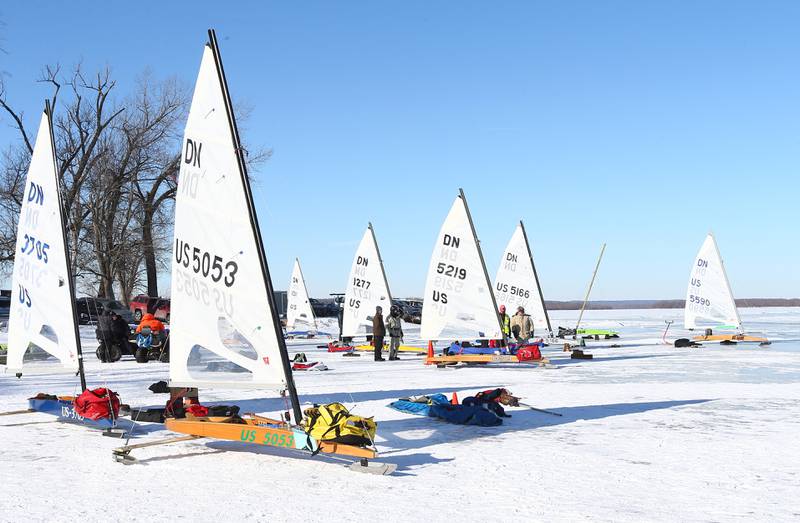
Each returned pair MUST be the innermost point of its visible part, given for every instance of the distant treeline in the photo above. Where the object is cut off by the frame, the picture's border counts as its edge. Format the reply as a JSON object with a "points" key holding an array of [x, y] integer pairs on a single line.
{"points": [[664, 304]]}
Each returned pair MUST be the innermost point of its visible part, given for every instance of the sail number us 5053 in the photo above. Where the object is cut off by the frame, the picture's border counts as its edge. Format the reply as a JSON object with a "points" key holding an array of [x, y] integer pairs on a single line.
{"points": [[205, 264], [273, 439]]}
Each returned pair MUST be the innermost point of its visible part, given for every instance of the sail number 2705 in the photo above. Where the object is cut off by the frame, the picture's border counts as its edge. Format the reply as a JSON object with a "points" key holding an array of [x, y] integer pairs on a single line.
{"points": [[205, 263]]}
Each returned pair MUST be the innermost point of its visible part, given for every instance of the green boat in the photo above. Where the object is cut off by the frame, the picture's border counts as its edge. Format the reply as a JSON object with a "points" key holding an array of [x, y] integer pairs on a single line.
{"points": [[598, 332]]}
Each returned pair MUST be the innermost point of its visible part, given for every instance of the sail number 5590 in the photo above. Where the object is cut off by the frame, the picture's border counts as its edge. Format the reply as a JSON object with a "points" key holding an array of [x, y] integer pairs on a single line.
{"points": [[205, 264], [699, 301]]}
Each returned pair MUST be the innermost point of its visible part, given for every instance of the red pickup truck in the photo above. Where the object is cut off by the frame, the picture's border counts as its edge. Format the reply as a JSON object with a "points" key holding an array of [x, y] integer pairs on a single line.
{"points": [[142, 304]]}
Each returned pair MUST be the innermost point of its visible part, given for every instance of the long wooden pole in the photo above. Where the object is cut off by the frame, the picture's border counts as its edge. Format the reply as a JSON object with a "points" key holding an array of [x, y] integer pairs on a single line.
{"points": [[591, 283]]}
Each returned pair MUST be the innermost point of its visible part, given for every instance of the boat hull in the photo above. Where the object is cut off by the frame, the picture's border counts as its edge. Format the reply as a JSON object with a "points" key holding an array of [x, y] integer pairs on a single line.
{"points": [[482, 358], [401, 348], [597, 332], [262, 431], [731, 337], [64, 409]]}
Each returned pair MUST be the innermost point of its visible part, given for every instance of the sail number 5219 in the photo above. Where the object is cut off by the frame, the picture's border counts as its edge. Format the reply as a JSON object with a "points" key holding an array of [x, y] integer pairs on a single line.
{"points": [[451, 270]]}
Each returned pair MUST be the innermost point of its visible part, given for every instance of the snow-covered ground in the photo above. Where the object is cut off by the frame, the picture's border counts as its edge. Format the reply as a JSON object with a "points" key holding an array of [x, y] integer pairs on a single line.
{"points": [[649, 433]]}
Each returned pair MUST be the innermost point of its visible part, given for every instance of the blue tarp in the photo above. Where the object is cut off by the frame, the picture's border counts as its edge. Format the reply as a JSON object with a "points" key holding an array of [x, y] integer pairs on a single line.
{"points": [[465, 415], [420, 409], [456, 348], [439, 407]]}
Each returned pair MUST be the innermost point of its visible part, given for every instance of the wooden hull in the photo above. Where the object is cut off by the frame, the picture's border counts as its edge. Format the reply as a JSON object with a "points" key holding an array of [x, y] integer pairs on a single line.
{"points": [[64, 409], [730, 337], [262, 431], [402, 348], [482, 358]]}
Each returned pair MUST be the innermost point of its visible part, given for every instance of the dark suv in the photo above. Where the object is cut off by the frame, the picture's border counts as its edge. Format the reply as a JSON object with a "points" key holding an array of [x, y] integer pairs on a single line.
{"points": [[143, 304], [5, 307], [88, 309]]}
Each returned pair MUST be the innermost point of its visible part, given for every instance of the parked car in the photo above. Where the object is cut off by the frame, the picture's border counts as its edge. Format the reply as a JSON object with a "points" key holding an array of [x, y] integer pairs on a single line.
{"points": [[143, 304], [5, 307], [324, 308], [88, 309]]}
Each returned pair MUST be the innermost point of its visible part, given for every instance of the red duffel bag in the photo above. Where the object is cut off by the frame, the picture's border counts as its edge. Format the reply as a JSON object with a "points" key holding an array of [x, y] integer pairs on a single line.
{"points": [[529, 353], [97, 404]]}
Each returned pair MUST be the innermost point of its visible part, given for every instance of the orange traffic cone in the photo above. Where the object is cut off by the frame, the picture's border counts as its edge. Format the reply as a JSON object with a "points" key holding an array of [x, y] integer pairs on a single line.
{"points": [[454, 399], [430, 354]]}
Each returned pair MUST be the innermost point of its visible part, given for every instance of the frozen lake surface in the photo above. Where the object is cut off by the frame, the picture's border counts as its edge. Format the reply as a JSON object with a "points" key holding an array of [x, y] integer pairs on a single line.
{"points": [[648, 433]]}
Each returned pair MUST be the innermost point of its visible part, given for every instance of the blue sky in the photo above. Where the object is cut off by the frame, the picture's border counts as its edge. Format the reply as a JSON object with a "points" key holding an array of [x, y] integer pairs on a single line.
{"points": [[638, 124]]}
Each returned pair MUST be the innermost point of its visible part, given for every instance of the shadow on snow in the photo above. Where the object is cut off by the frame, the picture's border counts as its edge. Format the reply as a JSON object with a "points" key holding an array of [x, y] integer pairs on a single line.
{"points": [[521, 420]]}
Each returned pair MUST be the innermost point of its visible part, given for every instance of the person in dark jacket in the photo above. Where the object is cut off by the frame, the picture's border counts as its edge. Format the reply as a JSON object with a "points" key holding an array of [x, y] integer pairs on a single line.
{"points": [[105, 327], [120, 328], [340, 319], [395, 324], [378, 332]]}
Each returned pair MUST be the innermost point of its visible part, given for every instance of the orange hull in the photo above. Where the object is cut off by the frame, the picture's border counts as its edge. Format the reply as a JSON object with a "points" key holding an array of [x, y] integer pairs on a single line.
{"points": [[482, 358], [730, 337], [262, 431]]}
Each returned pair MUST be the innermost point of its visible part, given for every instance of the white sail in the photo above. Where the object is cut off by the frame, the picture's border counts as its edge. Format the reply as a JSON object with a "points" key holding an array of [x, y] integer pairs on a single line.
{"points": [[458, 302], [709, 296], [42, 314], [224, 331], [299, 313], [516, 284], [366, 288]]}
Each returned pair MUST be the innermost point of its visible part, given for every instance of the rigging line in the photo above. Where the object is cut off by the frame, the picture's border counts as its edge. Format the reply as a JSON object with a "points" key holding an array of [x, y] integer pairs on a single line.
{"points": [[371, 441]]}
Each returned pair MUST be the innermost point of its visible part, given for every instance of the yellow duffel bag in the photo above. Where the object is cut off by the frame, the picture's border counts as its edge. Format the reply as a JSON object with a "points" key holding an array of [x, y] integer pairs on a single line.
{"points": [[333, 422]]}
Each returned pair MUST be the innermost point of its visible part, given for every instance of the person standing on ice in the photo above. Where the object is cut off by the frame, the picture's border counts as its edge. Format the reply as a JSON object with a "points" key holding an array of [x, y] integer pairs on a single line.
{"points": [[505, 321], [395, 324], [378, 332], [521, 326]]}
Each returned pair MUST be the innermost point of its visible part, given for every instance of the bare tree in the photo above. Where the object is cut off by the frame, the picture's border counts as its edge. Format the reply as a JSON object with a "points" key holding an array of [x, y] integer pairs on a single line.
{"points": [[118, 164], [160, 109]]}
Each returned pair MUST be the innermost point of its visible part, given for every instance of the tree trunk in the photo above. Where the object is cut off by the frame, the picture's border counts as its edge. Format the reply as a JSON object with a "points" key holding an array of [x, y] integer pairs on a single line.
{"points": [[149, 251]]}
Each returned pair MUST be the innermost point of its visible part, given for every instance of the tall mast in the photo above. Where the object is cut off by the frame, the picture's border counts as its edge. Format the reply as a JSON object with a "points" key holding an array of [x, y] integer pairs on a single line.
{"points": [[70, 280], [305, 289], [536, 277], [727, 282], [380, 260], [287, 369], [591, 283], [483, 263]]}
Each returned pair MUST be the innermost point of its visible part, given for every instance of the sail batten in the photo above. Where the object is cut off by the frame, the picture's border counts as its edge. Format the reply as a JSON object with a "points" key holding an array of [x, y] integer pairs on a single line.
{"points": [[366, 289], [709, 297], [458, 302], [299, 313], [224, 330], [517, 284], [42, 319]]}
